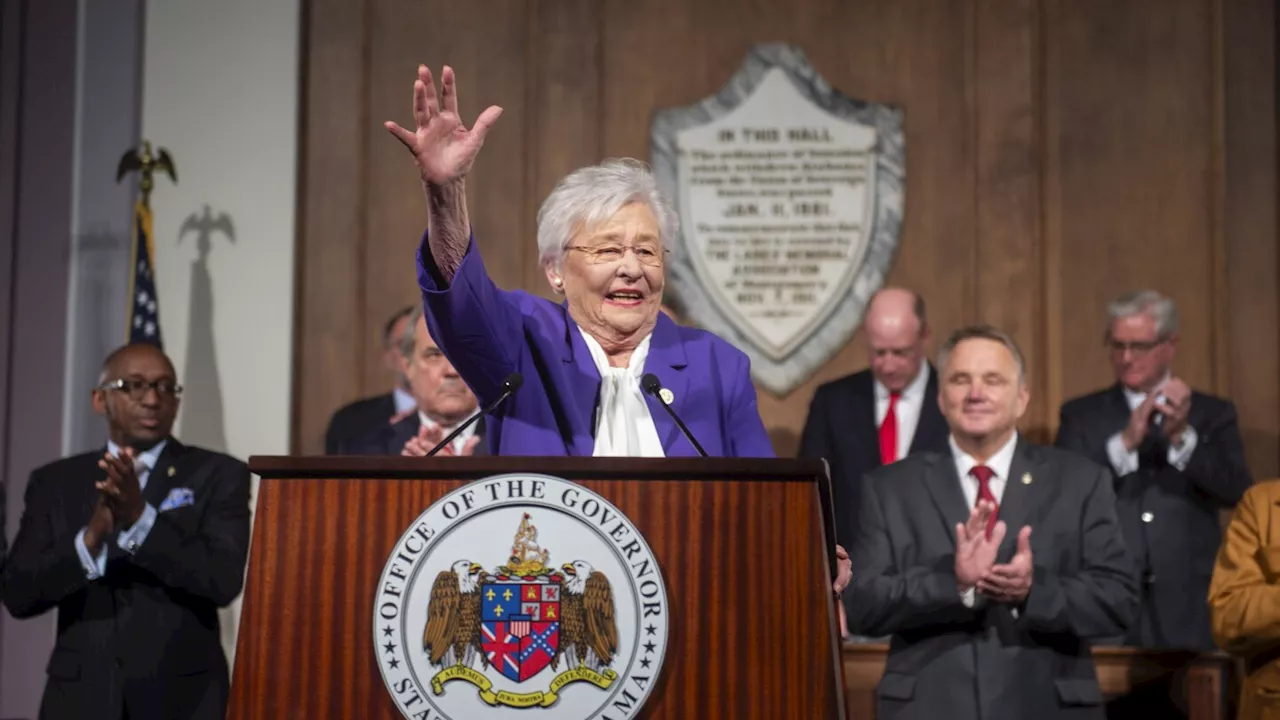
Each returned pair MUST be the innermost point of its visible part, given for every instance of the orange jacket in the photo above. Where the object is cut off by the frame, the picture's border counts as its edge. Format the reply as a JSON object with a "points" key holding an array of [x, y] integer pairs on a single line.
{"points": [[1244, 598]]}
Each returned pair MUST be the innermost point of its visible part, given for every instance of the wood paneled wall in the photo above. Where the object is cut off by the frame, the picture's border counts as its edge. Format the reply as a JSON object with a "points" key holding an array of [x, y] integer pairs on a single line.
{"points": [[1059, 152]]}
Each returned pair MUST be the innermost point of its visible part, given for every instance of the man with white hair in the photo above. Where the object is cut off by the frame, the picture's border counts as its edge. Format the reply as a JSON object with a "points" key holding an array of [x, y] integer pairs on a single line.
{"points": [[1177, 459], [442, 400]]}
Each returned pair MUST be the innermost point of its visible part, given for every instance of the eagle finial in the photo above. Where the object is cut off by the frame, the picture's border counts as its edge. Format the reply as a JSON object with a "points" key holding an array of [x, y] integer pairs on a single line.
{"points": [[145, 164]]}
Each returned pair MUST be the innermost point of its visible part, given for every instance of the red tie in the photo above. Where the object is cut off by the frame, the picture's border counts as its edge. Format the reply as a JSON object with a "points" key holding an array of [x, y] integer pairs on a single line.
{"points": [[984, 475], [889, 431]]}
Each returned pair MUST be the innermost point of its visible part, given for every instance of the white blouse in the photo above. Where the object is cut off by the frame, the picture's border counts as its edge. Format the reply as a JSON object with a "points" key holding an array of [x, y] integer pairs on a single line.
{"points": [[624, 427]]}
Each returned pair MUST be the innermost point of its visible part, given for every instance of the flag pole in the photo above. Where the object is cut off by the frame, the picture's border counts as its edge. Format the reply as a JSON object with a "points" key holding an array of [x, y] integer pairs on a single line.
{"points": [[142, 161]]}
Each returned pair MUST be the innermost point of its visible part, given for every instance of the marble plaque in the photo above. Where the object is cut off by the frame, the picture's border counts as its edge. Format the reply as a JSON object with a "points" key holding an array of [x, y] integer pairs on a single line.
{"points": [[790, 199]]}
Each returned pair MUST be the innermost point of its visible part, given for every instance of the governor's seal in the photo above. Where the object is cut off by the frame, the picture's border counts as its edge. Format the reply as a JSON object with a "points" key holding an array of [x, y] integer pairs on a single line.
{"points": [[520, 596]]}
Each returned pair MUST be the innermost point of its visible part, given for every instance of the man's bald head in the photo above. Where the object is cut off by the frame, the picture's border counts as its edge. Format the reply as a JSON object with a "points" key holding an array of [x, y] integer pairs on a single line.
{"points": [[126, 355], [894, 306], [896, 332]]}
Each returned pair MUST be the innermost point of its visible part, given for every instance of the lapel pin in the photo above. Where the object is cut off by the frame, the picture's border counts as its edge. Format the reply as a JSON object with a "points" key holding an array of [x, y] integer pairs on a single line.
{"points": [[174, 471], [1026, 478], [668, 397]]}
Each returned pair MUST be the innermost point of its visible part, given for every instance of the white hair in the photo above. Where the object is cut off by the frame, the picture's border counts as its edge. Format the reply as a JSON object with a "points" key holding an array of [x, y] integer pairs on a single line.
{"points": [[408, 339], [594, 194], [1159, 308]]}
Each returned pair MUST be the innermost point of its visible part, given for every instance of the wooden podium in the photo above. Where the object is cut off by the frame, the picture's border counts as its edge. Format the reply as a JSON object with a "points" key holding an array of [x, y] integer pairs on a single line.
{"points": [[743, 548]]}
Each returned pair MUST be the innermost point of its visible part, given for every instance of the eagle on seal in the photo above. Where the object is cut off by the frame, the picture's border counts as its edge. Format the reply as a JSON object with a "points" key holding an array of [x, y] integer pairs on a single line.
{"points": [[588, 631], [452, 635]]}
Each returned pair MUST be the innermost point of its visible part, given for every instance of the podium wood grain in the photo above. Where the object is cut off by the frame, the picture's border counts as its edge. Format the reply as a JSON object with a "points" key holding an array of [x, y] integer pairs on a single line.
{"points": [[739, 545]]}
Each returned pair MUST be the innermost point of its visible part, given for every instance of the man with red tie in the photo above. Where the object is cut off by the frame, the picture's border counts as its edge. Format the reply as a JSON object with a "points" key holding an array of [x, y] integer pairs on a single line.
{"points": [[882, 414], [987, 618]]}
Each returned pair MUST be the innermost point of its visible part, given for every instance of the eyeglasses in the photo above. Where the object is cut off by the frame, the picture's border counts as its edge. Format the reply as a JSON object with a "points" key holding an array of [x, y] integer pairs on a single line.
{"points": [[606, 254], [137, 389], [1137, 349]]}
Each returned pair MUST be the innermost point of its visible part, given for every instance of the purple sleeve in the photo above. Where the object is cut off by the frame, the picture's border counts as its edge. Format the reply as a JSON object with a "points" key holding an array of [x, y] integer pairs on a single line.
{"points": [[747, 436], [476, 325]]}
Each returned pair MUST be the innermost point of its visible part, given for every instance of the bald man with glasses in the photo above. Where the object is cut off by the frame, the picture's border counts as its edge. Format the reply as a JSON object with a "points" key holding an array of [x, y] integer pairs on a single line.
{"points": [[1177, 459], [136, 545]]}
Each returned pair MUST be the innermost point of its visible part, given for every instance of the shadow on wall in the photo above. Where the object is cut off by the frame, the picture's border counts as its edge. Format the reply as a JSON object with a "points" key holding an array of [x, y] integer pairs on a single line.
{"points": [[204, 421]]}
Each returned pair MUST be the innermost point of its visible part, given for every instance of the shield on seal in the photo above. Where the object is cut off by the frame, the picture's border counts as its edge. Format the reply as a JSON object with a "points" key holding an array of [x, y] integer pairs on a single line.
{"points": [[790, 198], [520, 625]]}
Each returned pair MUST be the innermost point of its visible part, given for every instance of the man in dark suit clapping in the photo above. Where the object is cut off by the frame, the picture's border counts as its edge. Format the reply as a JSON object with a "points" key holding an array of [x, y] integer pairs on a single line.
{"points": [[992, 565], [137, 547], [1177, 459]]}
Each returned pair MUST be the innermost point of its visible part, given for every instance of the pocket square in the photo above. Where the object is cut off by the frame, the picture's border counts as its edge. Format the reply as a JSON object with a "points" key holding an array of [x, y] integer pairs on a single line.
{"points": [[178, 497]]}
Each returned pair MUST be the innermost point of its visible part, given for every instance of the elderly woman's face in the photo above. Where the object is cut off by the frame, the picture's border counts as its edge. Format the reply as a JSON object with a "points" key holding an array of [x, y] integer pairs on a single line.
{"points": [[613, 274]]}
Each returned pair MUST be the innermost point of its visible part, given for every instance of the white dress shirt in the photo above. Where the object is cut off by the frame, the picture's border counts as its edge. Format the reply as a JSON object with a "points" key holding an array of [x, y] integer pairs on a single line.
{"points": [[999, 463], [910, 404], [1125, 461], [624, 426], [128, 540], [457, 443]]}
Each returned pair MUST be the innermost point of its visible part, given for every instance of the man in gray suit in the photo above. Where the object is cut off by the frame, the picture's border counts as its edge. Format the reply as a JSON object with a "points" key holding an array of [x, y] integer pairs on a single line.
{"points": [[988, 620]]}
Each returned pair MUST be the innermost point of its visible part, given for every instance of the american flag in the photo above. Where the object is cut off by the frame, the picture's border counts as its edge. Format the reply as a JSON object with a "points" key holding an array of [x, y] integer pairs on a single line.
{"points": [[144, 308]]}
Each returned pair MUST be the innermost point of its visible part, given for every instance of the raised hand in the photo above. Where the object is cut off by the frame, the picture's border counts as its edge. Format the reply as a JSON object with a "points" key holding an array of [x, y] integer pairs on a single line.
{"points": [[443, 148], [1010, 583], [975, 552]]}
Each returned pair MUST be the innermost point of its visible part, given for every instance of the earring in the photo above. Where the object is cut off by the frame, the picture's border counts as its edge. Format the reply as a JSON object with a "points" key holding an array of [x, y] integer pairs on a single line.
{"points": [[559, 282]]}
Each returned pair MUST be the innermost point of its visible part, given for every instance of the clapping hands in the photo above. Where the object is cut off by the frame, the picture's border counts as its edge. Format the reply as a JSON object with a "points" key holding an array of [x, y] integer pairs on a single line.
{"points": [[428, 437]]}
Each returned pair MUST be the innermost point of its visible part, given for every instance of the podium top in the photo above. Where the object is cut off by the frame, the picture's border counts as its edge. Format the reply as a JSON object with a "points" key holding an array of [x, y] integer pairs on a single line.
{"points": [[390, 467]]}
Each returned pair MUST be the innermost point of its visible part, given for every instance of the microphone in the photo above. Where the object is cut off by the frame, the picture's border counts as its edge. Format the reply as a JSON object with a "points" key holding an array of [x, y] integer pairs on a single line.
{"points": [[653, 386], [509, 387]]}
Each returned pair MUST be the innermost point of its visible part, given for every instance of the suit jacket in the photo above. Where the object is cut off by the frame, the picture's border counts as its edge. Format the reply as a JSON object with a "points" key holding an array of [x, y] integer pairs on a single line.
{"points": [[389, 438], [145, 635], [1242, 598], [841, 427], [947, 660], [1170, 517], [355, 419], [488, 333]]}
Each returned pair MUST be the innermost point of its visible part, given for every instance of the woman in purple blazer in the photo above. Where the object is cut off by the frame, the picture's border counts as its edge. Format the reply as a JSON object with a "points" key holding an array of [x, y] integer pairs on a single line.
{"points": [[603, 237]]}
